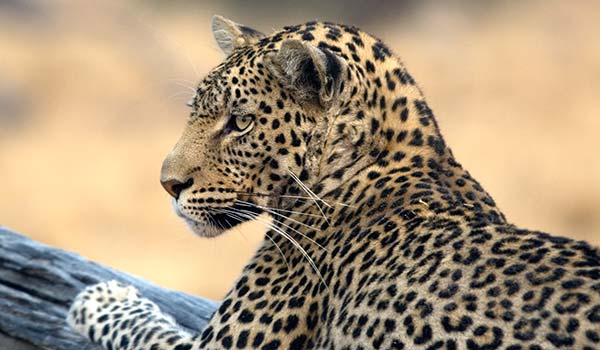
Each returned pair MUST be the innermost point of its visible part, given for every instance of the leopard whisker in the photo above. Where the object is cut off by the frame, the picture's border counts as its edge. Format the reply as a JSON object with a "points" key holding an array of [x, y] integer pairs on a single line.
{"points": [[287, 265], [239, 217], [177, 94], [276, 229], [213, 221], [162, 38], [183, 80], [293, 241], [314, 197], [279, 209], [286, 225], [307, 189], [258, 194]]}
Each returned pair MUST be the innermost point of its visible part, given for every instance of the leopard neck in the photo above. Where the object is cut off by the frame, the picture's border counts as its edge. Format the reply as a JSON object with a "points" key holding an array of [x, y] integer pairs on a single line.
{"points": [[385, 139]]}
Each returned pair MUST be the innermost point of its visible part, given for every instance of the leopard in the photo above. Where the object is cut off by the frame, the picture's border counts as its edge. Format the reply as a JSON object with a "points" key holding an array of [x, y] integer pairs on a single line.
{"points": [[377, 237]]}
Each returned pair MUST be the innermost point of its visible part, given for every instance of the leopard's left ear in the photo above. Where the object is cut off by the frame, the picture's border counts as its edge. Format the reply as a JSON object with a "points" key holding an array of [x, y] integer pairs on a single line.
{"points": [[230, 35], [314, 74]]}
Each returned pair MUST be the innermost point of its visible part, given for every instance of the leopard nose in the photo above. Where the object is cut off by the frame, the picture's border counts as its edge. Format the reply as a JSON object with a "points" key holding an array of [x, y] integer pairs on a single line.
{"points": [[175, 187]]}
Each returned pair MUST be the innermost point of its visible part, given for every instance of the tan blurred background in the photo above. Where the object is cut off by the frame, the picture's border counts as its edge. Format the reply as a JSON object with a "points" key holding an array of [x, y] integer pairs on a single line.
{"points": [[92, 97]]}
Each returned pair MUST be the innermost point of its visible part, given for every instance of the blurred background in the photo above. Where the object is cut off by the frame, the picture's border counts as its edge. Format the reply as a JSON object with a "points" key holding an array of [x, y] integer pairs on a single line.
{"points": [[92, 97]]}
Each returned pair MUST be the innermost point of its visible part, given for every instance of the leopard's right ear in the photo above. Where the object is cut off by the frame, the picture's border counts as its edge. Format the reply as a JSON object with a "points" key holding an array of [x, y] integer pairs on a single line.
{"points": [[230, 35]]}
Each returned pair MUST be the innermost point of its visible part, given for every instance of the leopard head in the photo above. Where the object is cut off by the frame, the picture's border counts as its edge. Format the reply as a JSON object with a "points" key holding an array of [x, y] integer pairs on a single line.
{"points": [[263, 120]]}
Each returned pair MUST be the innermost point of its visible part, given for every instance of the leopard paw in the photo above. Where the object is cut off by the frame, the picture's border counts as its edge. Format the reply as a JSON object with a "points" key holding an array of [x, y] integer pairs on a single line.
{"points": [[95, 303]]}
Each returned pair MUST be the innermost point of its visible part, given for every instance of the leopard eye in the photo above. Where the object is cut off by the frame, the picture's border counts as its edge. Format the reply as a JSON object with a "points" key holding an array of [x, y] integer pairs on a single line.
{"points": [[242, 122]]}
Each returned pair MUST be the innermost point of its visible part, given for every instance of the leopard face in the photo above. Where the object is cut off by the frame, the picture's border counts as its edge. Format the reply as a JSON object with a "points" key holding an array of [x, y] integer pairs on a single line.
{"points": [[257, 123]]}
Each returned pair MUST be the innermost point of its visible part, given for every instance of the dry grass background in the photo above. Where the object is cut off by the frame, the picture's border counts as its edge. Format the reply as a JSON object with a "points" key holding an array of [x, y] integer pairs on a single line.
{"points": [[92, 97]]}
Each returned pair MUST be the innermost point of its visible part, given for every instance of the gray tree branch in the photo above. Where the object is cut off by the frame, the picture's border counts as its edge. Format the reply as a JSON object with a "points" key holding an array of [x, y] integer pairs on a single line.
{"points": [[38, 283]]}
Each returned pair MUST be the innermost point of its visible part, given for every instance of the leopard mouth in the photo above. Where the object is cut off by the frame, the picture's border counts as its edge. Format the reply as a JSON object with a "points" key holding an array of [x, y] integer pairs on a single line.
{"points": [[213, 221], [234, 215]]}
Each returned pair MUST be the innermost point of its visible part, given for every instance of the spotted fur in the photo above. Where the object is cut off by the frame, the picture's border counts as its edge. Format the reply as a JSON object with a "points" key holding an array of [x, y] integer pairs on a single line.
{"points": [[321, 126]]}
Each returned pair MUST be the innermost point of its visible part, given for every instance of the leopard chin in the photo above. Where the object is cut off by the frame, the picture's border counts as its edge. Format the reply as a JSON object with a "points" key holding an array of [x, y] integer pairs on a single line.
{"points": [[202, 229]]}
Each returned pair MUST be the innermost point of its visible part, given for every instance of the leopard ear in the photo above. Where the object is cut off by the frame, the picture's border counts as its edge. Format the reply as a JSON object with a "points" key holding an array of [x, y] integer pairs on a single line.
{"points": [[230, 35], [314, 74]]}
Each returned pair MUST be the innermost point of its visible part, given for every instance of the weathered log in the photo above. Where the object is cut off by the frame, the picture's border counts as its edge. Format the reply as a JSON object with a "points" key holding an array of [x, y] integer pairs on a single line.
{"points": [[38, 283]]}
